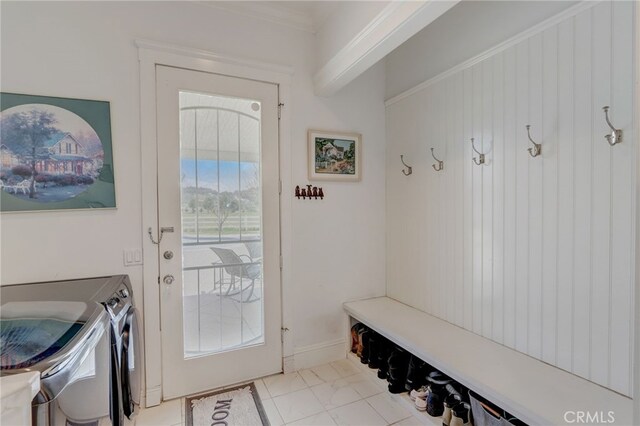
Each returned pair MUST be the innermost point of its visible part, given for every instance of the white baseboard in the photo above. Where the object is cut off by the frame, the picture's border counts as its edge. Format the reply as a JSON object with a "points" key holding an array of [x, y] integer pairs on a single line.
{"points": [[288, 364], [320, 353], [153, 397]]}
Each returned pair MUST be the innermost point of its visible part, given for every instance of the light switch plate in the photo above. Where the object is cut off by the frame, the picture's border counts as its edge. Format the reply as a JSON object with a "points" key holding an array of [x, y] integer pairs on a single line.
{"points": [[132, 257]]}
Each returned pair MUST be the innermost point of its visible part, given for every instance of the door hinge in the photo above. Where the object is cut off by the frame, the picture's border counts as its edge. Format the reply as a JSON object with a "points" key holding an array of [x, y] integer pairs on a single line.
{"points": [[280, 105], [281, 262], [158, 280], [279, 187]]}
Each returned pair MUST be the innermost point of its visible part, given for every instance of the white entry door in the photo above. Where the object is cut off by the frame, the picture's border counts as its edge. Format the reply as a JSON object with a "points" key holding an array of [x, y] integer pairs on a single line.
{"points": [[220, 267]]}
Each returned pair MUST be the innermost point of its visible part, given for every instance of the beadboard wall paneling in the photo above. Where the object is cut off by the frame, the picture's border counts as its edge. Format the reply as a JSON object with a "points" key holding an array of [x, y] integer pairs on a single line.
{"points": [[534, 253]]}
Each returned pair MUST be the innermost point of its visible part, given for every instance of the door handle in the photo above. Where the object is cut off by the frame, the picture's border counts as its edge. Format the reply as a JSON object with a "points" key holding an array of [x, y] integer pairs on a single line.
{"points": [[168, 279]]}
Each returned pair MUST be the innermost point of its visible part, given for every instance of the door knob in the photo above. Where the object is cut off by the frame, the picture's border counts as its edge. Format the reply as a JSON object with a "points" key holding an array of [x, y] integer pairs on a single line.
{"points": [[168, 255], [168, 279]]}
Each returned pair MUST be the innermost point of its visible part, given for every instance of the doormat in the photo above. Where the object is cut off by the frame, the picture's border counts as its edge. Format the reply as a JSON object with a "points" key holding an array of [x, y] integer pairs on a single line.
{"points": [[237, 406]]}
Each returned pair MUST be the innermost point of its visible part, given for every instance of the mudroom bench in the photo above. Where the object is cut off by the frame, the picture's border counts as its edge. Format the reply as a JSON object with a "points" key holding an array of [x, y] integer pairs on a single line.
{"points": [[535, 392]]}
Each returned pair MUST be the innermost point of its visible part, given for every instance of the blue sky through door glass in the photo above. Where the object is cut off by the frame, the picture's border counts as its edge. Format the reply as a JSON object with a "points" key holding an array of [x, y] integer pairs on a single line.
{"points": [[208, 174]]}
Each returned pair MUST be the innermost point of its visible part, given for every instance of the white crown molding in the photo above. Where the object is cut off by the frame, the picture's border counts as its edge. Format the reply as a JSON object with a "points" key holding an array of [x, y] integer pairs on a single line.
{"points": [[266, 11], [154, 46], [395, 24], [569, 12]]}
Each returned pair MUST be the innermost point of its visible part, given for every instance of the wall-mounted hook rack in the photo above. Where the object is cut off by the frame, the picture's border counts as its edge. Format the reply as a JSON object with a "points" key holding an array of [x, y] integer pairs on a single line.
{"points": [[616, 134], [440, 162], [480, 159], [537, 147], [408, 170], [309, 192]]}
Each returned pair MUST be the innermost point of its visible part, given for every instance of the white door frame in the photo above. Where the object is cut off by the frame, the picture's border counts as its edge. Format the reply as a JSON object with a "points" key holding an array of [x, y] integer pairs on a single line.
{"points": [[151, 54], [636, 119]]}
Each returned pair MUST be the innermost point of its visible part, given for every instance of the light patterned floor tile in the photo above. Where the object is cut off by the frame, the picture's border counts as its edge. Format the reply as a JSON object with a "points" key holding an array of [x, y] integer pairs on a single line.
{"points": [[168, 413], [364, 385], [339, 393], [310, 377], [272, 413], [262, 390], [345, 368], [281, 384], [357, 413], [297, 405], [326, 372], [389, 409], [321, 419], [414, 421], [335, 394]]}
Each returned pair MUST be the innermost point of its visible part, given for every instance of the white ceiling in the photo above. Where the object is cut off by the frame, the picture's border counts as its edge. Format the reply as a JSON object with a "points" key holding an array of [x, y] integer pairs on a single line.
{"points": [[303, 15], [317, 11]]}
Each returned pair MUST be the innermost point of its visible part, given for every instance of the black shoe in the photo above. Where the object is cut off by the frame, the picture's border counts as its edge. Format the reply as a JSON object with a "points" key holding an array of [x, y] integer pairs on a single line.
{"points": [[450, 401], [398, 366], [460, 414], [437, 383], [364, 356], [396, 388], [415, 378], [384, 350], [374, 347]]}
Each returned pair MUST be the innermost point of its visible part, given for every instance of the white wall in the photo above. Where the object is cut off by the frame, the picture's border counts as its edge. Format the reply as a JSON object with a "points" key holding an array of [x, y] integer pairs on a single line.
{"points": [[462, 32], [86, 50], [534, 253]]}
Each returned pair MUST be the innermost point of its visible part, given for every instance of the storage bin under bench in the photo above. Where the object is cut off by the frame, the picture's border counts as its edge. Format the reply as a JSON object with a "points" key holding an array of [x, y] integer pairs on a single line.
{"points": [[535, 392]]}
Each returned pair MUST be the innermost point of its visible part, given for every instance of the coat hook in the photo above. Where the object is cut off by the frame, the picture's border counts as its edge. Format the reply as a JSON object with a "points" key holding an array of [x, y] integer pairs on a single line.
{"points": [[537, 147], [440, 162], [616, 134], [479, 160], [409, 168]]}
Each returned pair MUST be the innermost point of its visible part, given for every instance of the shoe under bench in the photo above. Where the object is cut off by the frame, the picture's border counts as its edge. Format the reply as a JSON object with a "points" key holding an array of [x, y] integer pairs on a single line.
{"points": [[535, 392]]}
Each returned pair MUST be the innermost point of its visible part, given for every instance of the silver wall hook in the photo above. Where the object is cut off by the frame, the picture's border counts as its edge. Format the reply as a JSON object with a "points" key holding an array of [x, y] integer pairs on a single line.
{"points": [[440, 162], [616, 134], [480, 159], [537, 147], [408, 170]]}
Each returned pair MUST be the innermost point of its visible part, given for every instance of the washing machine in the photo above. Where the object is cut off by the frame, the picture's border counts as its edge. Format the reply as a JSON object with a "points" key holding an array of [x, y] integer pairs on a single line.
{"points": [[92, 369], [68, 342]]}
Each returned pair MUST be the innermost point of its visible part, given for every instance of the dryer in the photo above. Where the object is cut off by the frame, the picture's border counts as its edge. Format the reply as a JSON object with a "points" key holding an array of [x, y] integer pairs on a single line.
{"points": [[124, 320]]}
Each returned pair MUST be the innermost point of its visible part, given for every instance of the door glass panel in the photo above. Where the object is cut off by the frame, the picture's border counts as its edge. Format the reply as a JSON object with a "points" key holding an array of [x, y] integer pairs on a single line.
{"points": [[221, 223]]}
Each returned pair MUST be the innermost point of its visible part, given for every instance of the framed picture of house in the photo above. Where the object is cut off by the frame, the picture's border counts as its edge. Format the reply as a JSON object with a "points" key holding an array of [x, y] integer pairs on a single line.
{"points": [[55, 153], [335, 156]]}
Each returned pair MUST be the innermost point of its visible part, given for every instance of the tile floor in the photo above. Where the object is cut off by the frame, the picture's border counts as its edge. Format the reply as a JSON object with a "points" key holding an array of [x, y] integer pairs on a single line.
{"points": [[343, 392]]}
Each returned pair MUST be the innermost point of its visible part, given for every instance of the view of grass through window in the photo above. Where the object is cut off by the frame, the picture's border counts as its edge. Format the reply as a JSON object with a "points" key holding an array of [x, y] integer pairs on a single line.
{"points": [[220, 201]]}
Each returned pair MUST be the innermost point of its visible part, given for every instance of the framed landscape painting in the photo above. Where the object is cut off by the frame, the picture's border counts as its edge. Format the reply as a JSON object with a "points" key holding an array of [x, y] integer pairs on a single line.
{"points": [[55, 153], [335, 156]]}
